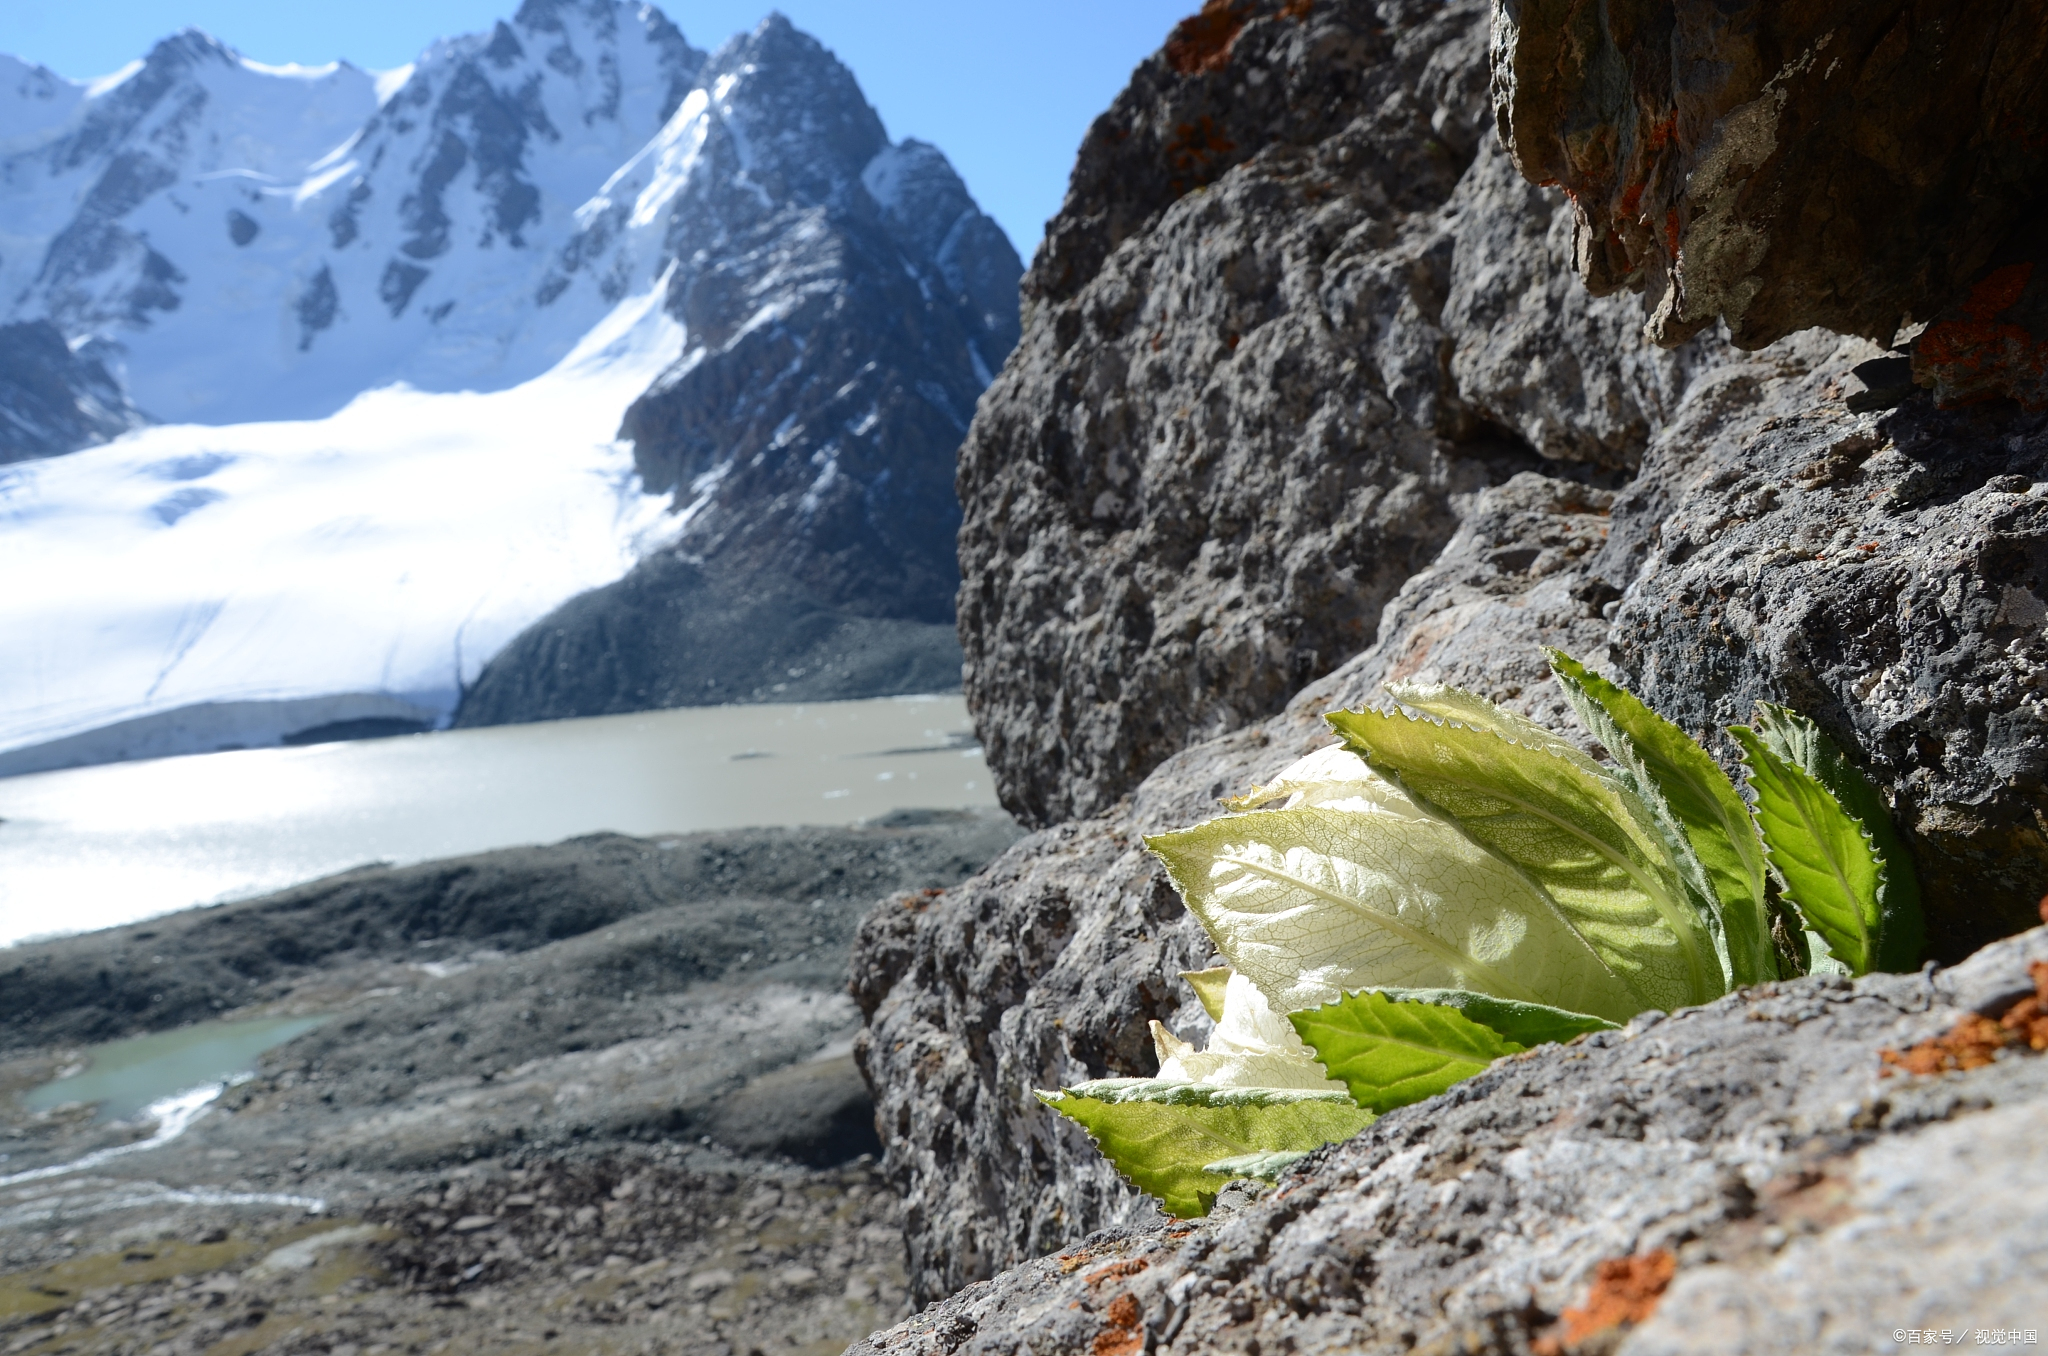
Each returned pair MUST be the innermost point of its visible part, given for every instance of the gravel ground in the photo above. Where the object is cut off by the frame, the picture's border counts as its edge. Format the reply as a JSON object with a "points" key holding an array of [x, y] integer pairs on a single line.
{"points": [[588, 1097]]}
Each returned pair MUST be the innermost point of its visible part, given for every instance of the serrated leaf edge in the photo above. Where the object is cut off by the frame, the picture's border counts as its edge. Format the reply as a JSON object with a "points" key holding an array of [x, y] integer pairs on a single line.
{"points": [[1666, 909], [1873, 939]]}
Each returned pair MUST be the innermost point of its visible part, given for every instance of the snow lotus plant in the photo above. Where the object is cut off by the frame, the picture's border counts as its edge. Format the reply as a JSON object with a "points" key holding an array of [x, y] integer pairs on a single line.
{"points": [[1452, 883]]}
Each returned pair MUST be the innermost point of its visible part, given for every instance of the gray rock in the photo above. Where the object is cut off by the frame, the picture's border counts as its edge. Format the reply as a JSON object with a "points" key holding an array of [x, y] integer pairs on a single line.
{"points": [[1883, 573], [52, 400], [1811, 1204], [1258, 382]]}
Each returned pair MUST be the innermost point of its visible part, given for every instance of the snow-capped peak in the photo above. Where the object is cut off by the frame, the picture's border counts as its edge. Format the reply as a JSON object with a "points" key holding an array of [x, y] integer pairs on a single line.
{"points": [[482, 267], [264, 242]]}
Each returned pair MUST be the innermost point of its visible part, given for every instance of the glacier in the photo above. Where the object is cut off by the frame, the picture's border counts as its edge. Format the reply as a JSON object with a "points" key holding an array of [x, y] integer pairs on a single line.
{"points": [[389, 549]]}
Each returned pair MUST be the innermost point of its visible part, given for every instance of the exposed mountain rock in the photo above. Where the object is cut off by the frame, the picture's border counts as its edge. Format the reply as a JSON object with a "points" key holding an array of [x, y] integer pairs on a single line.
{"points": [[674, 633], [52, 400], [1295, 307], [1749, 1155], [844, 302], [1779, 167], [1650, 544]]}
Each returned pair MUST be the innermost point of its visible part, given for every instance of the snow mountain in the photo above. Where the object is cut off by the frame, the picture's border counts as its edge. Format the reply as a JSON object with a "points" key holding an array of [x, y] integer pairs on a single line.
{"points": [[771, 324], [243, 242], [845, 304]]}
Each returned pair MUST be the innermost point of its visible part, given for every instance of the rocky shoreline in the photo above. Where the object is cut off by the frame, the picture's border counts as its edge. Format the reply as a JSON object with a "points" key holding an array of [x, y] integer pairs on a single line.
{"points": [[594, 1093]]}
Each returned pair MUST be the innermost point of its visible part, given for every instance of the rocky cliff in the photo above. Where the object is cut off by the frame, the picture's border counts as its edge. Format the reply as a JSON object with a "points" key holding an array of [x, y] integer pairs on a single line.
{"points": [[1450, 455], [52, 400], [1295, 310]]}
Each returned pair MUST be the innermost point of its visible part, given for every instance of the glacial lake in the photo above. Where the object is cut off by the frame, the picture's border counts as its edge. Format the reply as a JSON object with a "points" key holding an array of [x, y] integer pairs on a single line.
{"points": [[125, 1076], [95, 847]]}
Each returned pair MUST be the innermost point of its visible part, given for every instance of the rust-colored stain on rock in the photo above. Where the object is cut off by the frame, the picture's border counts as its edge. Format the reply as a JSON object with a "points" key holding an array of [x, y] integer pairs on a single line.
{"points": [[1976, 1040], [1124, 1330], [1194, 147], [1115, 1271], [1625, 1290], [1201, 43], [1972, 355]]}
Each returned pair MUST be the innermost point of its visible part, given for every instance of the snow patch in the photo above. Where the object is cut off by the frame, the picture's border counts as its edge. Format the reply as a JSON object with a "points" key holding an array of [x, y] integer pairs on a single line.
{"points": [[388, 83], [107, 84]]}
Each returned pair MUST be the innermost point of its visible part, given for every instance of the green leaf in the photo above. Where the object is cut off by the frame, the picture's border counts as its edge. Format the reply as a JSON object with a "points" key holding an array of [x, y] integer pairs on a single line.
{"points": [[1586, 839], [1802, 743], [1209, 986], [1826, 856], [1391, 1054], [1163, 1136], [1705, 803], [1526, 1023], [1312, 902]]}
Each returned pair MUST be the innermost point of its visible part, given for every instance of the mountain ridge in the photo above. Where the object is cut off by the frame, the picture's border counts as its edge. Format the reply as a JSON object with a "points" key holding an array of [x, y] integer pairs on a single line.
{"points": [[739, 219]]}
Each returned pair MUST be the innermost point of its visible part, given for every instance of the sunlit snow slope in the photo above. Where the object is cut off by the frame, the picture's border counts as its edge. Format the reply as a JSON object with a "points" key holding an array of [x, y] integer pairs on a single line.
{"points": [[360, 565]]}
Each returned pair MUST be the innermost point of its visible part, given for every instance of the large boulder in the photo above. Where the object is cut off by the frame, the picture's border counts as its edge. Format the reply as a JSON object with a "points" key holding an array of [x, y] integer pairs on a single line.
{"points": [[1693, 521], [1295, 308], [1780, 166], [1747, 1163], [1045, 969]]}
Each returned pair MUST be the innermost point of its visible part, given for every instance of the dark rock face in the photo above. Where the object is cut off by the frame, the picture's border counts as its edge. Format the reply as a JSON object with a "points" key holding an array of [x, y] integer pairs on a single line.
{"points": [[1807, 1204], [53, 401], [1779, 167], [845, 301], [1241, 417], [675, 633]]}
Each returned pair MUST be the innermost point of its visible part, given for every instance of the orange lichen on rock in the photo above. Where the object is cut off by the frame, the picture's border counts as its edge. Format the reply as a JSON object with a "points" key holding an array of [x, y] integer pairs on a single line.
{"points": [[1977, 1039], [1201, 42], [1123, 1333], [1625, 1291], [1115, 1271], [1975, 356], [1194, 146]]}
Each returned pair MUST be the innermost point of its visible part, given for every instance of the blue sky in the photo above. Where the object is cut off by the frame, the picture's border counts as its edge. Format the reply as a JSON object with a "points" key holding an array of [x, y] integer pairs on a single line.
{"points": [[1006, 90]]}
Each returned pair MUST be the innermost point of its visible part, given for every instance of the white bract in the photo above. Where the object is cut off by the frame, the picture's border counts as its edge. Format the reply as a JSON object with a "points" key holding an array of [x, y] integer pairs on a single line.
{"points": [[1349, 884], [1251, 1047]]}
